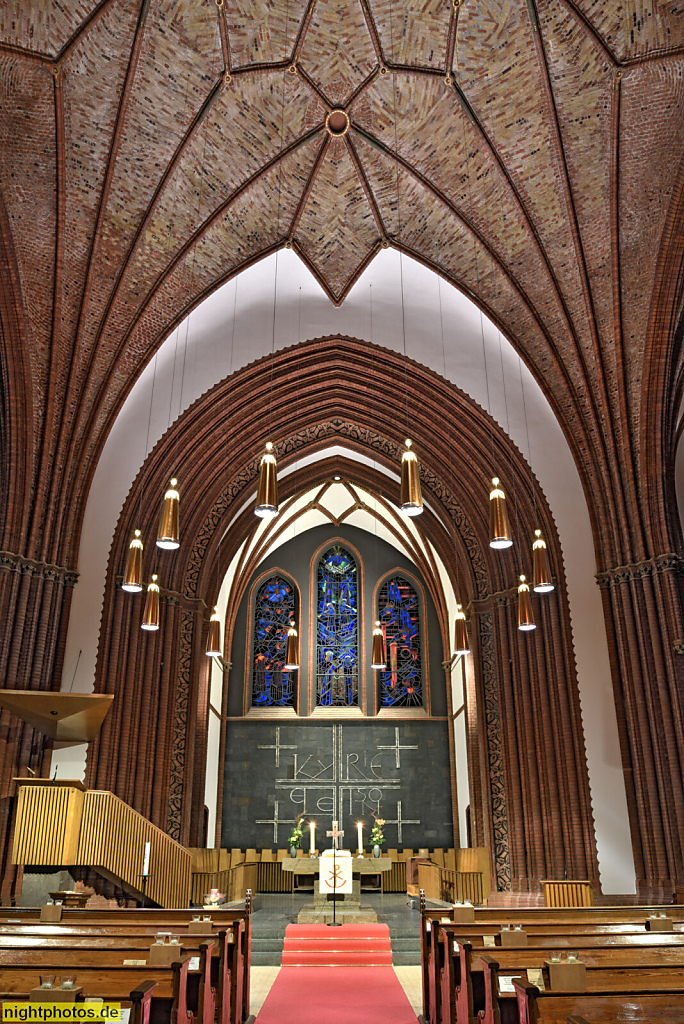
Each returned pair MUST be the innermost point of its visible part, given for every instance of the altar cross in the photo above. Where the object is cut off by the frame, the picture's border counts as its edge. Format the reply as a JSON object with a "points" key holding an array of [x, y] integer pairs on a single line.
{"points": [[335, 834]]}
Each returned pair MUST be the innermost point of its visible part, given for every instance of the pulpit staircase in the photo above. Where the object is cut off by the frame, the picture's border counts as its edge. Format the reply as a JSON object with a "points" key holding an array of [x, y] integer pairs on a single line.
{"points": [[61, 824]]}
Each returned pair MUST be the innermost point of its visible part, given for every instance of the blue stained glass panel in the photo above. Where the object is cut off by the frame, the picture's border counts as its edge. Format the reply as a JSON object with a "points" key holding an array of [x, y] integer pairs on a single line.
{"points": [[274, 609], [401, 684], [337, 675]]}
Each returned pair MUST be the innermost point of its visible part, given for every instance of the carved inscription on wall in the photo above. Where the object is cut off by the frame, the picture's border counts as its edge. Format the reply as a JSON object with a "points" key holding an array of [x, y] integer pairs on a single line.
{"points": [[337, 771]]}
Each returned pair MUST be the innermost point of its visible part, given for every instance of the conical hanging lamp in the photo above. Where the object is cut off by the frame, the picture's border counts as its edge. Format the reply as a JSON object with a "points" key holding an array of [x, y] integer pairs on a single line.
{"points": [[291, 656], [499, 527], [133, 572], [540, 560], [461, 645], [525, 616], [168, 536], [379, 659], [214, 639], [411, 503], [267, 496], [151, 614]]}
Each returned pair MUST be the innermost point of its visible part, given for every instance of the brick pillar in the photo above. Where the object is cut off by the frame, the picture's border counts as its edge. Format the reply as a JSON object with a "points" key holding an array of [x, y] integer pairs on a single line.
{"points": [[34, 608], [643, 608]]}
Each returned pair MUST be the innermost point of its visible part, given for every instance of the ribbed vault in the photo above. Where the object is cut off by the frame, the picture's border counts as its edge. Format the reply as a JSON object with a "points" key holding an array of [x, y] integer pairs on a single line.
{"points": [[528, 151]]}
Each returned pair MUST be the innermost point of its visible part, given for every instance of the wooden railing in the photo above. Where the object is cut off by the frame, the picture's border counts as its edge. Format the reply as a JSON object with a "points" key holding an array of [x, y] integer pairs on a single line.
{"points": [[63, 824], [232, 882], [113, 838], [459, 886]]}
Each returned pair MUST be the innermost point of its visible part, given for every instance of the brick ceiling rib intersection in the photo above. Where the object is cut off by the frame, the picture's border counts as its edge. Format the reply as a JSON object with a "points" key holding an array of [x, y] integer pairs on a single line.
{"points": [[150, 149]]}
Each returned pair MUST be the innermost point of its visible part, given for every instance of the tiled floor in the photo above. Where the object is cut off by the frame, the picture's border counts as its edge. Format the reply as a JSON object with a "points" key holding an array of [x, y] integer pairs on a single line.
{"points": [[263, 977]]}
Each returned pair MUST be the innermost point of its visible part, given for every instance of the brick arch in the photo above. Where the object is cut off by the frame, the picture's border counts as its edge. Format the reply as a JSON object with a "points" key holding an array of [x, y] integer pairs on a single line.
{"points": [[152, 746]]}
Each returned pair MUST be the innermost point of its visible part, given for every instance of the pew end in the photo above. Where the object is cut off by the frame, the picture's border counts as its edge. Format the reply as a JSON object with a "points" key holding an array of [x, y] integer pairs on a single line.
{"points": [[526, 997], [141, 1002]]}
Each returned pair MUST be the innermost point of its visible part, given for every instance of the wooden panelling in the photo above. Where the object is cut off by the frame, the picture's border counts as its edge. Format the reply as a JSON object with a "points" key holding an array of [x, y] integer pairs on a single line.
{"points": [[568, 894], [272, 878], [47, 826], [475, 859], [394, 880]]}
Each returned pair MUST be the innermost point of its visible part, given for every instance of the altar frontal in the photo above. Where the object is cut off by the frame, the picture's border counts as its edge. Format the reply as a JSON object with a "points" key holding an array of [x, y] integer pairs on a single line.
{"points": [[335, 872]]}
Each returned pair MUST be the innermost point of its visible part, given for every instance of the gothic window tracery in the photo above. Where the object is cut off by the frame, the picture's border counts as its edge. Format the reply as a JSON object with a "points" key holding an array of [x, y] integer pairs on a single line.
{"points": [[401, 684], [274, 609], [337, 627]]}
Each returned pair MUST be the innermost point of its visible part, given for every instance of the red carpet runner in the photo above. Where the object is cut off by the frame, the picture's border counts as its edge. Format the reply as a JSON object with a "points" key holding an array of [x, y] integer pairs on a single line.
{"points": [[337, 976]]}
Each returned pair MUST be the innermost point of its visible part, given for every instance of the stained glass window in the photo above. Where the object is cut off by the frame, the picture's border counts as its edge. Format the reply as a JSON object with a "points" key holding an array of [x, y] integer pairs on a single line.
{"points": [[274, 609], [401, 685], [337, 657]]}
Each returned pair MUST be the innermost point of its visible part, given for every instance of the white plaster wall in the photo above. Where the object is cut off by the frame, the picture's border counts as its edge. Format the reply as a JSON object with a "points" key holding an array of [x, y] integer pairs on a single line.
{"points": [[217, 344]]}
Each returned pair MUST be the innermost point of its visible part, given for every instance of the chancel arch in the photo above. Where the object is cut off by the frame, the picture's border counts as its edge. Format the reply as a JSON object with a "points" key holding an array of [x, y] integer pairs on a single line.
{"points": [[337, 431]]}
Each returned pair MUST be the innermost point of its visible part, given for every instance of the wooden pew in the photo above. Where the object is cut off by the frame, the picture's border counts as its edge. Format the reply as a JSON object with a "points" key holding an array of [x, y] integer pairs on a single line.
{"points": [[102, 973], [535, 1007], [459, 976], [548, 929]]}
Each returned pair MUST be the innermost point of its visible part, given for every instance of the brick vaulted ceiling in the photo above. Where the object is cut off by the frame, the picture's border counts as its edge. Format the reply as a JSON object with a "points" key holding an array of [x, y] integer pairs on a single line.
{"points": [[528, 150]]}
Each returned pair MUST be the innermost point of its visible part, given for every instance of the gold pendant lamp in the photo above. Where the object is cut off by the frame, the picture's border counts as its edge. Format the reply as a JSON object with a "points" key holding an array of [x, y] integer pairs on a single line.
{"points": [[499, 527], [151, 614], [214, 639], [525, 616], [540, 560], [291, 656], [461, 633], [379, 659], [168, 535], [411, 497], [133, 571], [267, 496]]}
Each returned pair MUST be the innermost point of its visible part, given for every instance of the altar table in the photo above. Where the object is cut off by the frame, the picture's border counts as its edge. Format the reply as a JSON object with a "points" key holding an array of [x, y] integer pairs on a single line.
{"points": [[348, 908]]}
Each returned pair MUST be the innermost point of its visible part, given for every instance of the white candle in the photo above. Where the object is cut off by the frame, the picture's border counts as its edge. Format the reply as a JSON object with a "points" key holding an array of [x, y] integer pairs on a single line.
{"points": [[312, 831], [360, 831], [146, 860]]}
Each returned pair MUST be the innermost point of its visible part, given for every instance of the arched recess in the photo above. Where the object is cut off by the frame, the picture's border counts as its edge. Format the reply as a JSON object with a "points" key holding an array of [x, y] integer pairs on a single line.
{"points": [[157, 726]]}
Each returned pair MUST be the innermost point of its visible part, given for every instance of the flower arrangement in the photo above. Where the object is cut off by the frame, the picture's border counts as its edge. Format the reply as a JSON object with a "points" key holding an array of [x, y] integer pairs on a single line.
{"points": [[376, 837], [297, 831], [213, 898]]}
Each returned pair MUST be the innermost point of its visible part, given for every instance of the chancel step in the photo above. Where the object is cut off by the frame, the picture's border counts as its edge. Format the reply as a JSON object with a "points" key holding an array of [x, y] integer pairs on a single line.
{"points": [[312, 945]]}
